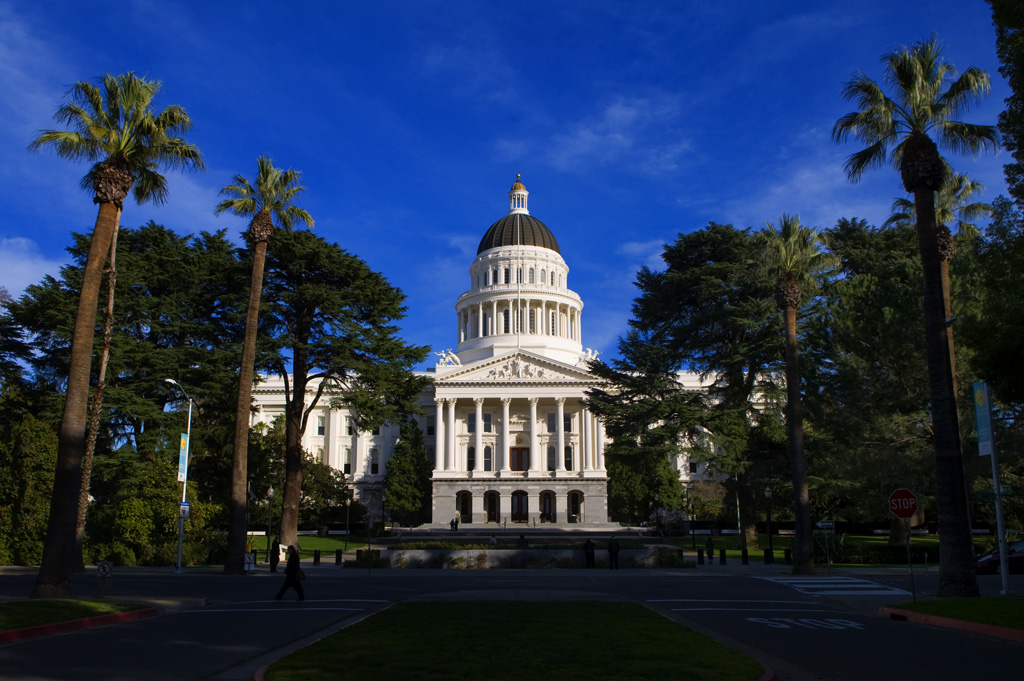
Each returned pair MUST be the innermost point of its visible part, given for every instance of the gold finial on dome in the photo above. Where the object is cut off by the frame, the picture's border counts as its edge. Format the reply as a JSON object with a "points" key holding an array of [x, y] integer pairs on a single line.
{"points": [[518, 186]]}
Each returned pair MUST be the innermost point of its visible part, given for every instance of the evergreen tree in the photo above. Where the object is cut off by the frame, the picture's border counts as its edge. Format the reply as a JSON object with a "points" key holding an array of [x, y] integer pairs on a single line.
{"points": [[407, 487]]}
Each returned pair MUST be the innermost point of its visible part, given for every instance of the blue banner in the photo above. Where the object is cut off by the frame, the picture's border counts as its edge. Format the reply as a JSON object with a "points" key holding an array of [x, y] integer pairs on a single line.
{"points": [[183, 458], [983, 414]]}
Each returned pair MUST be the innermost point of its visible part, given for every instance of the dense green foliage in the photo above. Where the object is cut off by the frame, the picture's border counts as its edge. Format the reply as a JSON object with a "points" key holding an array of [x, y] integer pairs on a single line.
{"points": [[407, 486]]}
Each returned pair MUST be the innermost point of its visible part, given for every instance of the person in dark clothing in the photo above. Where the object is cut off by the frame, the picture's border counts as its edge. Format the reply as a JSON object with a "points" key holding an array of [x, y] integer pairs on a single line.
{"points": [[613, 553], [293, 575], [710, 546], [275, 555], [588, 551]]}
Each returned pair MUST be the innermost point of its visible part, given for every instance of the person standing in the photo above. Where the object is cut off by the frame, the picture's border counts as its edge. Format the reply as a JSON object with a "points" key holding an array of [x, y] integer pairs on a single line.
{"points": [[588, 551], [710, 546], [293, 575], [613, 553], [275, 555]]}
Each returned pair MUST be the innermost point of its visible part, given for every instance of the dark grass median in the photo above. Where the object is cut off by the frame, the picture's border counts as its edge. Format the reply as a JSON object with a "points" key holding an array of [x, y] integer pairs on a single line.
{"points": [[499, 640]]}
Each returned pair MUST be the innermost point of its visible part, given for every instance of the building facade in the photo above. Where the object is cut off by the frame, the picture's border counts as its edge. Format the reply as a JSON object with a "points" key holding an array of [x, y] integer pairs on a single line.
{"points": [[506, 426]]}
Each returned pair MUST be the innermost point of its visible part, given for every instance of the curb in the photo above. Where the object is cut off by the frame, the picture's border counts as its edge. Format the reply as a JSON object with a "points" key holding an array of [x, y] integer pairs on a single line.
{"points": [[75, 625], [959, 625]]}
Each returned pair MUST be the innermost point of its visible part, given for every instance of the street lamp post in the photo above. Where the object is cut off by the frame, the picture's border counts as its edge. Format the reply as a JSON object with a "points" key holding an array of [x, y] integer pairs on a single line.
{"points": [[183, 470], [768, 500], [348, 504], [270, 518]]}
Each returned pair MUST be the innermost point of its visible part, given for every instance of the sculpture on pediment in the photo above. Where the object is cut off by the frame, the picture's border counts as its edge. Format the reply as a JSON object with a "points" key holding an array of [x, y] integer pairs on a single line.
{"points": [[448, 358], [588, 356]]}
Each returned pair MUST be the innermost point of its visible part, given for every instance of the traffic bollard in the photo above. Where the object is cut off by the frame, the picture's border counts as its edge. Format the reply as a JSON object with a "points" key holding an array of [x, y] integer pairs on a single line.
{"points": [[700, 556], [769, 557], [789, 556], [337, 557], [316, 556], [721, 556], [744, 558]]}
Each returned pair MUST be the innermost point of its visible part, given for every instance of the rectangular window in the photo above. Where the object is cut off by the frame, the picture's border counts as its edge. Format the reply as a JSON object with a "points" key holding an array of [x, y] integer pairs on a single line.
{"points": [[567, 418], [321, 425], [487, 423], [551, 422], [374, 461], [376, 431], [320, 455], [347, 470], [348, 425], [488, 459], [471, 423], [471, 458], [533, 321], [430, 425], [568, 459], [693, 467]]}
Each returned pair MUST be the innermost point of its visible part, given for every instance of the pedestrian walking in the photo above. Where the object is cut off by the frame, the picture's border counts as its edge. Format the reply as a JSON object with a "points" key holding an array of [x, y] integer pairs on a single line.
{"points": [[613, 553], [293, 575]]}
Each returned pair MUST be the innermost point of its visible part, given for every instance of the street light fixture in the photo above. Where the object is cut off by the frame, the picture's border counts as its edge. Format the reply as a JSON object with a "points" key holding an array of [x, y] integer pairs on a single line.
{"points": [[270, 518], [183, 470]]}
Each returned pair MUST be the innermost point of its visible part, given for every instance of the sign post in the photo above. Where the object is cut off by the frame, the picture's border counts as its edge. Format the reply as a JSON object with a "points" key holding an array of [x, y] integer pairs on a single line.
{"points": [[903, 504], [987, 447]]}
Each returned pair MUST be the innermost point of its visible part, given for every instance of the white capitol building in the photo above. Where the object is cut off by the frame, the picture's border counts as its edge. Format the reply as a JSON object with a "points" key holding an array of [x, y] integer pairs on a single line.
{"points": [[507, 429]]}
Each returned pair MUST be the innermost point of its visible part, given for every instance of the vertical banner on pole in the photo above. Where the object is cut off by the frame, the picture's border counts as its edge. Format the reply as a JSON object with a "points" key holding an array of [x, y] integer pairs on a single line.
{"points": [[983, 414], [183, 458]]}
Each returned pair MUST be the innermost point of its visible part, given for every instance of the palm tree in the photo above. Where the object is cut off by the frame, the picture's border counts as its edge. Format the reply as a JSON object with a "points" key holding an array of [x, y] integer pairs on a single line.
{"points": [[927, 97], [794, 259], [113, 125], [952, 203], [269, 197]]}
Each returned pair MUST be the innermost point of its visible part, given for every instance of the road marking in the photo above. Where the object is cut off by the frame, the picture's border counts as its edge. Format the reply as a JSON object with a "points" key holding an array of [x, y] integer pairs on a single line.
{"points": [[836, 586], [716, 600], [278, 609], [806, 623]]}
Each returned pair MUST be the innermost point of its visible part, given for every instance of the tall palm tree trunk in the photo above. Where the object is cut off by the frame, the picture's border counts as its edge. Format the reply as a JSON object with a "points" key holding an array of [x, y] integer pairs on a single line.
{"points": [[95, 408], [803, 547], [54, 578], [956, 549], [234, 562]]}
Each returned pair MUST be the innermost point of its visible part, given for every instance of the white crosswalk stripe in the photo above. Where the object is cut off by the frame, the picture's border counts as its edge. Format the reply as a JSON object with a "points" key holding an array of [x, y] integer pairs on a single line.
{"points": [[837, 586]]}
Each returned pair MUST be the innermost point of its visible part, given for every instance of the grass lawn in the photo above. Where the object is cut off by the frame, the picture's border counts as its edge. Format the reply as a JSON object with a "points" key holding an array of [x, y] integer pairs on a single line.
{"points": [[570, 640], [1002, 611], [23, 614]]}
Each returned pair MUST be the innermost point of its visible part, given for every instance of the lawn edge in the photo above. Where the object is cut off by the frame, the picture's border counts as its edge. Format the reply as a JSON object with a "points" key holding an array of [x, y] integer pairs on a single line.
{"points": [[949, 623], [13, 635]]}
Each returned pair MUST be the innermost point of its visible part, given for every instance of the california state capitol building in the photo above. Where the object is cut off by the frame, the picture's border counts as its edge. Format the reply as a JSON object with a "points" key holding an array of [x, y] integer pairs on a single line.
{"points": [[505, 422]]}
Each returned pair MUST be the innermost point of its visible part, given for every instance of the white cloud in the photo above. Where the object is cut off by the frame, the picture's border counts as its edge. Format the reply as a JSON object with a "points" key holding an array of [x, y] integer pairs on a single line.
{"points": [[24, 264]]}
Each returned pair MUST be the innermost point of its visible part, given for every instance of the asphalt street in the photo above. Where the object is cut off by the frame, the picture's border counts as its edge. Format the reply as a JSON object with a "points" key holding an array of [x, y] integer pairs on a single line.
{"points": [[221, 628]]}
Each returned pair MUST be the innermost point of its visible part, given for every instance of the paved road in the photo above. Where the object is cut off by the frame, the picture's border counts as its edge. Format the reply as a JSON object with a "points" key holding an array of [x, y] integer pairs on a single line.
{"points": [[224, 628]]}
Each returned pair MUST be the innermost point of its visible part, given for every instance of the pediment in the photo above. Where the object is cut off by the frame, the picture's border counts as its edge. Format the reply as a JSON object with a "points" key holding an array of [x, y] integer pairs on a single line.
{"points": [[517, 367]]}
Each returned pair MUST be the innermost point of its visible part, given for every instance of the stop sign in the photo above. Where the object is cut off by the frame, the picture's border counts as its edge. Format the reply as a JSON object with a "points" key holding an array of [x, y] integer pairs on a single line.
{"points": [[902, 503]]}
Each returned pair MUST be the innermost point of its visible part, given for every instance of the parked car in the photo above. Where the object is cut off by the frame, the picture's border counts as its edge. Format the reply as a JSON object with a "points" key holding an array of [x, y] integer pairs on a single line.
{"points": [[988, 562]]}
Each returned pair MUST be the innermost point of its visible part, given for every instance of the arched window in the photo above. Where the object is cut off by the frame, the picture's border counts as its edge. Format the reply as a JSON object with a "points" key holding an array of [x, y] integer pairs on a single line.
{"points": [[543, 277], [508, 275], [347, 470], [506, 319], [551, 331], [519, 275], [374, 461], [531, 275], [568, 459], [552, 277], [494, 277], [533, 321], [487, 277], [488, 459]]}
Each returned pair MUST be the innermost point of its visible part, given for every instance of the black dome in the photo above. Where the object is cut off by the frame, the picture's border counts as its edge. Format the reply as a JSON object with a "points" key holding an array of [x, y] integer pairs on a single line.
{"points": [[518, 229]]}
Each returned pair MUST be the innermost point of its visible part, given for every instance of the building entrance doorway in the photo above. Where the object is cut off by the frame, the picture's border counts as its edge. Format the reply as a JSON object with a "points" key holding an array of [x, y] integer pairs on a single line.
{"points": [[491, 507], [547, 507], [520, 507], [519, 458], [464, 507], [575, 507]]}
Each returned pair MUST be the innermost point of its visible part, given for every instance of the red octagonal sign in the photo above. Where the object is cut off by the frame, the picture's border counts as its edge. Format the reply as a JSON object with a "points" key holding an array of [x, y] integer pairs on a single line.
{"points": [[902, 503]]}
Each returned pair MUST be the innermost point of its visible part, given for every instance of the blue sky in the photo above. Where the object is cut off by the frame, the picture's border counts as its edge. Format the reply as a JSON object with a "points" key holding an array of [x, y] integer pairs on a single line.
{"points": [[630, 121]]}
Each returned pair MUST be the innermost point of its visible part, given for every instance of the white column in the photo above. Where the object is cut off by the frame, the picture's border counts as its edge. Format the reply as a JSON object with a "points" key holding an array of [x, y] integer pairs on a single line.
{"points": [[478, 439], [439, 435], [560, 429], [534, 453], [599, 454], [588, 450], [450, 433], [479, 320], [494, 318], [505, 435]]}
